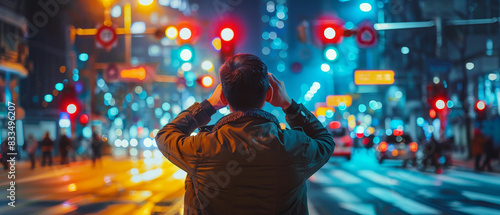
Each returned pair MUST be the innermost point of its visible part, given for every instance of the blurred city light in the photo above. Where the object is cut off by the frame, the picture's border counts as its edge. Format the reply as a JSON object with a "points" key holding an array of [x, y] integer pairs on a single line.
{"points": [[329, 33], [138, 27], [492, 76], [83, 57], [469, 66], [186, 54], [365, 7], [71, 108], [185, 33], [480, 105], [48, 98], [325, 67], [207, 81], [145, 2], [216, 43], [116, 11], [440, 104], [331, 53], [227, 34], [171, 32], [405, 50], [207, 65]]}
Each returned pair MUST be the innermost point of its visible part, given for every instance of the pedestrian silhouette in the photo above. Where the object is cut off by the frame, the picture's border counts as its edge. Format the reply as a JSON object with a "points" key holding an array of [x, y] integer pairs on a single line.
{"points": [[47, 146]]}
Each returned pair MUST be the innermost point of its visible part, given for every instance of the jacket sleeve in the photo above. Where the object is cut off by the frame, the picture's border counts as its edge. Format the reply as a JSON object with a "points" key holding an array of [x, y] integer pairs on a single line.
{"points": [[319, 142], [175, 141]]}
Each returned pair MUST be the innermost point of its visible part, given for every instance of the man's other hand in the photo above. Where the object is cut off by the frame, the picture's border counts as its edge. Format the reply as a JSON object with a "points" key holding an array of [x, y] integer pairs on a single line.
{"points": [[216, 100], [280, 97]]}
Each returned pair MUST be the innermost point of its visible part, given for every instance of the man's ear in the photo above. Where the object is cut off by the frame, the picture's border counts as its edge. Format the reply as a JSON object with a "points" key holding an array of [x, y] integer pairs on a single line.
{"points": [[269, 94], [223, 98]]}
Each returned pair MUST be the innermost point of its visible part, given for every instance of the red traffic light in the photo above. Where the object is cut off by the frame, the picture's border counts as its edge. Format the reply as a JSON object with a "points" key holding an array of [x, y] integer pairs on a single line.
{"points": [[440, 104], [71, 108], [480, 105], [207, 81], [331, 33], [227, 34], [84, 119], [432, 113]]}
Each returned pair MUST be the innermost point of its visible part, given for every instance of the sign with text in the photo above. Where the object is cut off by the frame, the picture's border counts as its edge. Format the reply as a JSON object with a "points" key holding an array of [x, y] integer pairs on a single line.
{"points": [[335, 100], [374, 77]]}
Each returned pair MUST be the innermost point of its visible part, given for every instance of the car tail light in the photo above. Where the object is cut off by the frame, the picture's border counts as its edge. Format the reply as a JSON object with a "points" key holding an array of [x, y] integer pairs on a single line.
{"points": [[413, 146], [382, 146], [395, 152]]}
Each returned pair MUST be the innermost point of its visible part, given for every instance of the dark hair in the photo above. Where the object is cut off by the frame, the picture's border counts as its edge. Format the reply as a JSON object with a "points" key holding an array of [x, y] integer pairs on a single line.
{"points": [[244, 80]]}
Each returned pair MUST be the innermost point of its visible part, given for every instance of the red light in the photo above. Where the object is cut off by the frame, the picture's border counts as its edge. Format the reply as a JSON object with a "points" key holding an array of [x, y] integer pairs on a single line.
{"points": [[71, 108], [329, 29], [365, 141], [397, 132], [413, 146], [227, 34], [207, 81], [84, 119], [382, 146], [440, 104], [334, 124], [480, 105], [359, 135], [432, 113]]}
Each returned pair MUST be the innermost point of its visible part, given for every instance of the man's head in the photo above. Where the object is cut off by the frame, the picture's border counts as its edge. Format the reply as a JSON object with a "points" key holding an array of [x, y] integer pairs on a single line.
{"points": [[245, 82]]}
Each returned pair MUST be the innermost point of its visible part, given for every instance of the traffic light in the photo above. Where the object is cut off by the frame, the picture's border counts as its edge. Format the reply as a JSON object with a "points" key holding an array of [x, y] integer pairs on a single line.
{"points": [[331, 53], [227, 35], [437, 95], [206, 81], [480, 109], [69, 102], [84, 119], [330, 32], [440, 105], [186, 32]]}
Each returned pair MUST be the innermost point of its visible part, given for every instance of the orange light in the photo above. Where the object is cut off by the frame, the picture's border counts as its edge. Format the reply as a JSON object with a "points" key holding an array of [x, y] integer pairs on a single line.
{"points": [[72, 187], [207, 81], [135, 73], [382, 146], [374, 77], [335, 100], [480, 105], [395, 152], [413, 146], [216, 43], [334, 124], [321, 111], [432, 113]]}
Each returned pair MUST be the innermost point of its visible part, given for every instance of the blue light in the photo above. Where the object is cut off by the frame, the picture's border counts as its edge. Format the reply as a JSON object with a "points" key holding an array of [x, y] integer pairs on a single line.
{"points": [[362, 108], [373, 105], [59, 86], [329, 114], [48, 98], [128, 97], [108, 96], [83, 57], [113, 111], [87, 132], [349, 25], [158, 112], [75, 71], [165, 106], [420, 121], [76, 77], [143, 95], [395, 123], [78, 87], [265, 35], [342, 106], [391, 147], [376, 140], [281, 67], [449, 104], [135, 107]]}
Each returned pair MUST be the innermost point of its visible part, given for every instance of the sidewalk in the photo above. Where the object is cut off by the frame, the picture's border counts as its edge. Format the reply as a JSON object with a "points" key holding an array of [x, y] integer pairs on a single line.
{"points": [[468, 164]]}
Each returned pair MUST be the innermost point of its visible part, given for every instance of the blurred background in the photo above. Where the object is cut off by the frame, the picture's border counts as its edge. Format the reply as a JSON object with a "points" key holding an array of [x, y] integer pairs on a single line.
{"points": [[409, 89]]}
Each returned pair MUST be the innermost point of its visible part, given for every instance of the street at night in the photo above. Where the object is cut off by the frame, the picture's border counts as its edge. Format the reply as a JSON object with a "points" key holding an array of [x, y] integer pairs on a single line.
{"points": [[250, 107]]}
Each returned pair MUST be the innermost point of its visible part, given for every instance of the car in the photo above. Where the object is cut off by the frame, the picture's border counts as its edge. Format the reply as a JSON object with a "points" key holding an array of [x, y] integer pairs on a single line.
{"points": [[343, 142], [397, 147]]}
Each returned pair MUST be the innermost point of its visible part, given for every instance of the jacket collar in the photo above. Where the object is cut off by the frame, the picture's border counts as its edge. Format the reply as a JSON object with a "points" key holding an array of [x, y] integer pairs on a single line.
{"points": [[254, 113]]}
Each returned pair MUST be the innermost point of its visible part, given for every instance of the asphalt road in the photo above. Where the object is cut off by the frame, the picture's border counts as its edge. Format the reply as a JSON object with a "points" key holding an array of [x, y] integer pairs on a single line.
{"points": [[362, 186], [155, 186]]}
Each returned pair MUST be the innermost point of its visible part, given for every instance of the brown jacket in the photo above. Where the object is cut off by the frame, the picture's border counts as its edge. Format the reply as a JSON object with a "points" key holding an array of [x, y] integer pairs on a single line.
{"points": [[246, 164]]}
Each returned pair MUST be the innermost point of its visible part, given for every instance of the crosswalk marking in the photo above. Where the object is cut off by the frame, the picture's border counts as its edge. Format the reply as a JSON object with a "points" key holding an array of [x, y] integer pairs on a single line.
{"points": [[364, 209], [403, 203], [341, 194], [478, 210], [416, 179], [377, 178], [476, 177], [346, 177], [457, 181], [482, 197]]}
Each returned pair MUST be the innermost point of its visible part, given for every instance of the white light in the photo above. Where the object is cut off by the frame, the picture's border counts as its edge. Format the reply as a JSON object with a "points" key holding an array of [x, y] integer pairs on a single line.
{"points": [[365, 7], [492, 76], [223, 110], [64, 123], [164, 2], [185, 33], [329, 33], [186, 66], [145, 2], [207, 65], [134, 171], [154, 51], [147, 142], [71, 108], [325, 67], [440, 104], [331, 54], [180, 174], [116, 11], [227, 34], [398, 94], [138, 27], [133, 152], [316, 85], [147, 154], [133, 142], [405, 50], [118, 142], [186, 54], [436, 80], [124, 143], [469, 66]]}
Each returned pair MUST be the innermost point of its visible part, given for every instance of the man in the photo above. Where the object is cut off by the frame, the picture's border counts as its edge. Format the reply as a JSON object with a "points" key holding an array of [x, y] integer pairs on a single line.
{"points": [[246, 164], [47, 146], [64, 144]]}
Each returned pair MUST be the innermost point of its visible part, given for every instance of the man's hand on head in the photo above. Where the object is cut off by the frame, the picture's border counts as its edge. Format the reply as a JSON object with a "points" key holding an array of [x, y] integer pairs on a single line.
{"points": [[280, 97], [215, 100]]}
